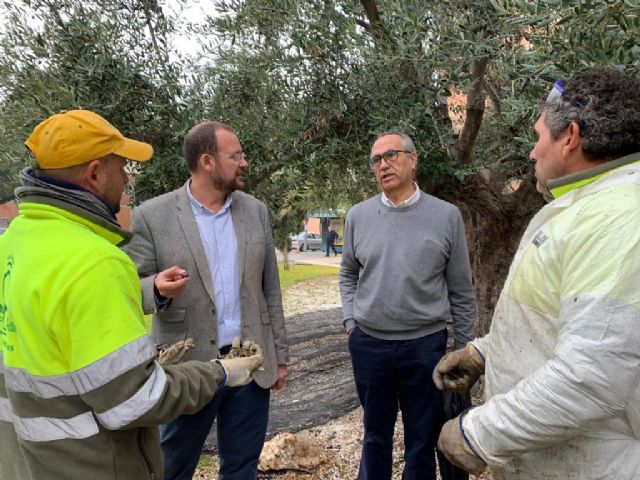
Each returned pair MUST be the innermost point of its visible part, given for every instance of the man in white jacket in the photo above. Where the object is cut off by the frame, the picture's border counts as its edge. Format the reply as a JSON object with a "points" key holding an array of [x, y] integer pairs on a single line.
{"points": [[562, 359]]}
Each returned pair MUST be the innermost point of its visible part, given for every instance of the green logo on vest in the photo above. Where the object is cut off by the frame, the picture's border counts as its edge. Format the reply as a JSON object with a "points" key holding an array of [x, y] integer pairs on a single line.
{"points": [[6, 324]]}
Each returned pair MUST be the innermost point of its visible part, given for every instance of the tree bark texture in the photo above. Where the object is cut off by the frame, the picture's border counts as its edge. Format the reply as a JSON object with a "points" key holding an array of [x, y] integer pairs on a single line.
{"points": [[284, 248], [494, 223], [371, 10], [462, 148]]}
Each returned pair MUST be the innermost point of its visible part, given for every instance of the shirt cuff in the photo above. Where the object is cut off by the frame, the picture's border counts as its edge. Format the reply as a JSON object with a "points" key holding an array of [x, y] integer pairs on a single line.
{"points": [[224, 374], [161, 302], [466, 423], [477, 348]]}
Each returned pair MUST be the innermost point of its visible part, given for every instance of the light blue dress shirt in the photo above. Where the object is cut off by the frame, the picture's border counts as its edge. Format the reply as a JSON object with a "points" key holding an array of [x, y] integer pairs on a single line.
{"points": [[221, 248]]}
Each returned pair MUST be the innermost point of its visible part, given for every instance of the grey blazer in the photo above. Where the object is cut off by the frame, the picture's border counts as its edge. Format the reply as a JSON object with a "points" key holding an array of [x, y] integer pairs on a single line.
{"points": [[166, 234]]}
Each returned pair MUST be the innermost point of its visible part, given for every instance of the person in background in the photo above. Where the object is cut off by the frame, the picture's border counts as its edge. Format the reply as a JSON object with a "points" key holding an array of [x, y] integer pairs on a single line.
{"points": [[331, 241]]}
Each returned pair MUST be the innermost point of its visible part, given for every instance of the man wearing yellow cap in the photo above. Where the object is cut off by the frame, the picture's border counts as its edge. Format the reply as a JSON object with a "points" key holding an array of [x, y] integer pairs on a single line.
{"points": [[79, 381]]}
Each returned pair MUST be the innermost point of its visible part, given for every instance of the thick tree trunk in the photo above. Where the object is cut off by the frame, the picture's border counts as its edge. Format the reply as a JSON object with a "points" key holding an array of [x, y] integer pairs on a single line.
{"points": [[494, 223]]}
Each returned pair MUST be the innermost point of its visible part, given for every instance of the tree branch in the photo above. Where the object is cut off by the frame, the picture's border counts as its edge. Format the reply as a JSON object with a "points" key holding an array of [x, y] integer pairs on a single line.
{"points": [[53, 9], [462, 149], [160, 57], [363, 24], [494, 96], [375, 24]]}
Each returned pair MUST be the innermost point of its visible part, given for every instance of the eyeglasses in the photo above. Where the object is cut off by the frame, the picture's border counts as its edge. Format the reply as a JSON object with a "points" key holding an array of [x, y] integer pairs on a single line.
{"points": [[237, 157], [390, 156]]}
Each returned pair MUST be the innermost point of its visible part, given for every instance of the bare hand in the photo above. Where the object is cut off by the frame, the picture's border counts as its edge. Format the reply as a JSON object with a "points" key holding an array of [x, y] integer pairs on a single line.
{"points": [[282, 376], [171, 282]]}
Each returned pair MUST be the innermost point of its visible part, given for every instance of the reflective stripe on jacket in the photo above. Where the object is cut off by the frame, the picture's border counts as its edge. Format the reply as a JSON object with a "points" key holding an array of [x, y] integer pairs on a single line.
{"points": [[84, 387], [563, 354], [12, 464]]}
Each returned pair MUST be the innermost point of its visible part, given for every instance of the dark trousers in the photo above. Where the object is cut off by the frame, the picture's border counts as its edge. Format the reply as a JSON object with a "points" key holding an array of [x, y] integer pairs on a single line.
{"points": [[454, 404], [242, 414], [392, 373], [332, 246]]}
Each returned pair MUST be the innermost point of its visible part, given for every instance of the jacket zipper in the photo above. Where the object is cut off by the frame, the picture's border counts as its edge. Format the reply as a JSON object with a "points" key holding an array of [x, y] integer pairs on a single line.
{"points": [[152, 475]]}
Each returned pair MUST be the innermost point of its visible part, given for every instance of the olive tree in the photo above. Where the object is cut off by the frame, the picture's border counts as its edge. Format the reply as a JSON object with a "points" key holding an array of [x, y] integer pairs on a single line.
{"points": [[310, 84], [110, 56]]}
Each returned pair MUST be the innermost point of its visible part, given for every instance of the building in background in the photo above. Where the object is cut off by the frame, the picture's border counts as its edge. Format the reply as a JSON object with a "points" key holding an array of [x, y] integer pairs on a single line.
{"points": [[319, 221], [8, 211]]}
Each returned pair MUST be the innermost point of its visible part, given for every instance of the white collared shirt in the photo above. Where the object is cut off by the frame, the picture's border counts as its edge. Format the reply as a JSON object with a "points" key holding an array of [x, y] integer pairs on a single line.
{"points": [[415, 196]]}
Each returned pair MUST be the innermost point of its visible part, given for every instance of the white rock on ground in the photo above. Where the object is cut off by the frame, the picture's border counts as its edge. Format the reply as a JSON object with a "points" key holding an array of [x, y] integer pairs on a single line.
{"points": [[290, 451]]}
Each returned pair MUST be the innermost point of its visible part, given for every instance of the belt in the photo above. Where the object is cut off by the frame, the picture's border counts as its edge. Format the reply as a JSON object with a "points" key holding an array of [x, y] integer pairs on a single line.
{"points": [[224, 351]]}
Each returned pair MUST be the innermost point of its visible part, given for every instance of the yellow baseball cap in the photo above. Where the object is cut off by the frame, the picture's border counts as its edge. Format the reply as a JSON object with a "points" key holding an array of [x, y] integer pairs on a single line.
{"points": [[78, 136]]}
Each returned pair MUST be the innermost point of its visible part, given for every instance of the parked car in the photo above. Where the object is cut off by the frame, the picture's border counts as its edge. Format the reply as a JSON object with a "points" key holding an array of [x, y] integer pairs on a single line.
{"points": [[314, 242]]}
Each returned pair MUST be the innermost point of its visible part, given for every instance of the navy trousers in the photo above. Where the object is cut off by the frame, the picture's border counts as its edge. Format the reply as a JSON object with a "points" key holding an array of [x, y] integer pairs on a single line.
{"points": [[391, 374], [242, 414], [331, 246]]}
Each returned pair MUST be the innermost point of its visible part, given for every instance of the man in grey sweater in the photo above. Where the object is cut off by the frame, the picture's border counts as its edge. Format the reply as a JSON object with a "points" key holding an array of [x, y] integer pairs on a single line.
{"points": [[405, 271]]}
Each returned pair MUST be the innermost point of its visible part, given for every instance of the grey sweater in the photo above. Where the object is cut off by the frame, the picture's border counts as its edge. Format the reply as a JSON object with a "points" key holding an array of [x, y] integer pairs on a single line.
{"points": [[405, 271]]}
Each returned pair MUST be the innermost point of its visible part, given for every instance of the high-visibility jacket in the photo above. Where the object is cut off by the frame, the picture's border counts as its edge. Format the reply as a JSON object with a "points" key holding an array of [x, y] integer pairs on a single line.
{"points": [[563, 354], [12, 464], [85, 390]]}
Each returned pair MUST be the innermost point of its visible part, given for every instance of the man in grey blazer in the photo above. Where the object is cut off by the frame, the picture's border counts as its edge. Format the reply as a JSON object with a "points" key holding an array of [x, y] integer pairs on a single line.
{"points": [[225, 284]]}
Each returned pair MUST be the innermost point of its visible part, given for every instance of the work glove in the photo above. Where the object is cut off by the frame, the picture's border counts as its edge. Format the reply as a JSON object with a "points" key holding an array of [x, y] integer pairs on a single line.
{"points": [[175, 353], [459, 370], [241, 349], [453, 445], [240, 370]]}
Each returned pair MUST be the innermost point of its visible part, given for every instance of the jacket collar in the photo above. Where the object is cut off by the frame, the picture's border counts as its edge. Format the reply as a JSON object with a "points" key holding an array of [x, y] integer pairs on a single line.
{"points": [[37, 205], [71, 201], [560, 186]]}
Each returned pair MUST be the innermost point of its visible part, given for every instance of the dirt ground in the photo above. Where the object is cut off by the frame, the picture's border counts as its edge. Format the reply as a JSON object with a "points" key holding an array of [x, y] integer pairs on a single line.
{"points": [[341, 443], [340, 438], [311, 296]]}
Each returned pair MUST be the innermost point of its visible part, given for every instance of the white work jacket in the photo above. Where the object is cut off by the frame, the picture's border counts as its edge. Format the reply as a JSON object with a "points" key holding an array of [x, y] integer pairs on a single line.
{"points": [[563, 354]]}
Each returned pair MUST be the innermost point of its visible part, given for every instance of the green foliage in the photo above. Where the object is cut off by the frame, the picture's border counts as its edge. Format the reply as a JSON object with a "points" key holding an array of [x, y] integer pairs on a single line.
{"points": [[553, 40], [310, 84], [109, 56], [307, 85]]}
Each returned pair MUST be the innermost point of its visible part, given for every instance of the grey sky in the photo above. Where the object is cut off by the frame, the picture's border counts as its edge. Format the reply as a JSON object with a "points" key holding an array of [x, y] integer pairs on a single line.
{"points": [[192, 11]]}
